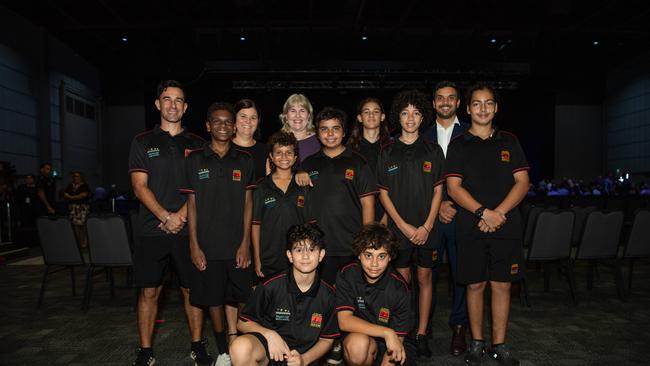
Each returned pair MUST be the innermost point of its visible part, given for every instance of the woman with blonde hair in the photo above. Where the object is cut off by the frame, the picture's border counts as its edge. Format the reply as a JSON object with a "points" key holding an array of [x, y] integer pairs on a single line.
{"points": [[297, 118]]}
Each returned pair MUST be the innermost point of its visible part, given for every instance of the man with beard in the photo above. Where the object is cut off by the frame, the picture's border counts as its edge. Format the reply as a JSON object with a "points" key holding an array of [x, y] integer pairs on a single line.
{"points": [[157, 168], [446, 100]]}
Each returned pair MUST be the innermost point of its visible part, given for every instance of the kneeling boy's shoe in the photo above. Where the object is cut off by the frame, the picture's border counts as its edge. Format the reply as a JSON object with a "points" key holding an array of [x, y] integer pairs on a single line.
{"points": [[475, 352], [200, 354], [144, 358], [336, 354], [422, 346], [501, 354]]}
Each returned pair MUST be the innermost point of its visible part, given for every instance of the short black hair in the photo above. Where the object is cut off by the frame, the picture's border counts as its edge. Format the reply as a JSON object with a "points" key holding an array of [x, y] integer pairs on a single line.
{"points": [[446, 84], [375, 236], [481, 86], [283, 139], [415, 98], [44, 164], [163, 85], [249, 103], [306, 231], [220, 106], [328, 113]]}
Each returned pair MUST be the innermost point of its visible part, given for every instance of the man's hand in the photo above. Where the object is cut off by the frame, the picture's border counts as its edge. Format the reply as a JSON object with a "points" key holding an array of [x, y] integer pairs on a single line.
{"points": [[447, 212], [278, 349], [175, 223], [302, 179], [243, 258], [295, 359], [198, 258], [394, 347]]}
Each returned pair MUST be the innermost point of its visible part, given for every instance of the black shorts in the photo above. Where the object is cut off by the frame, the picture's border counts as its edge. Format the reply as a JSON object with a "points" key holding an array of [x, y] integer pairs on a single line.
{"points": [[409, 348], [424, 257], [265, 344], [221, 283], [331, 265], [152, 257], [500, 260]]}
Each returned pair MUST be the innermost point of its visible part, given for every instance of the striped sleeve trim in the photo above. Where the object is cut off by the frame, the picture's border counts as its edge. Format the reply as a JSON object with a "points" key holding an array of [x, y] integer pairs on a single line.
{"points": [[520, 169], [251, 186], [256, 222], [141, 170], [245, 319], [382, 187], [187, 190], [401, 333], [369, 194], [332, 335], [453, 175], [344, 308], [441, 181]]}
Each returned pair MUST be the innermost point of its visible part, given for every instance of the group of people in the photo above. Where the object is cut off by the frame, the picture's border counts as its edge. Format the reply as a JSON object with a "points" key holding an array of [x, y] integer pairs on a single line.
{"points": [[304, 249]]}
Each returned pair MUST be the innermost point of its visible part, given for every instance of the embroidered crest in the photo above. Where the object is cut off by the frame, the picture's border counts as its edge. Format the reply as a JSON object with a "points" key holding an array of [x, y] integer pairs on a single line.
{"points": [[361, 303], [349, 174], [384, 315], [187, 152], [505, 156], [514, 269], [282, 314], [236, 175], [204, 174], [392, 169], [434, 255], [313, 174], [269, 202], [300, 201], [153, 152], [426, 167], [316, 320]]}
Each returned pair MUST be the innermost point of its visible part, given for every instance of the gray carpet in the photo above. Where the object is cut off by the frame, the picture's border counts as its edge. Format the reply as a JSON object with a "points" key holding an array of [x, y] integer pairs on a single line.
{"points": [[600, 330]]}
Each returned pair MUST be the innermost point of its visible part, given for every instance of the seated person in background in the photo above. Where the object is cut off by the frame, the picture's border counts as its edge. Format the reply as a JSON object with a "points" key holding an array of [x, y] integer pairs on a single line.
{"points": [[290, 320], [374, 303]]}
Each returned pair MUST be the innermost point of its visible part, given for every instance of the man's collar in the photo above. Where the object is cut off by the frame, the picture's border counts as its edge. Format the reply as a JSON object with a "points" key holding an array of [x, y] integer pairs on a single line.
{"points": [[456, 122]]}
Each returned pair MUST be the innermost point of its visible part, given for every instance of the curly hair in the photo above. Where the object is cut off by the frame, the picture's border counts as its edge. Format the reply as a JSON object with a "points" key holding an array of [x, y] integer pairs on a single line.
{"points": [[415, 98], [375, 236], [282, 138], [357, 127], [303, 232]]}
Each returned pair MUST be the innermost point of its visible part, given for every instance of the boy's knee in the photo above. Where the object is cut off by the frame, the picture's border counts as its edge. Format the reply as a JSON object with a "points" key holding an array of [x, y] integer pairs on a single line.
{"points": [[241, 351], [357, 348], [479, 286]]}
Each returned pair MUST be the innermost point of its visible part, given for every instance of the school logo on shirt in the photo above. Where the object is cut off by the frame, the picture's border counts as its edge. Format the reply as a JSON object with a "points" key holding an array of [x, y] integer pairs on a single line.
{"points": [[313, 174], [426, 167], [316, 320], [392, 169], [514, 269], [153, 152], [269, 202], [300, 201], [187, 152], [282, 314], [349, 174], [505, 156], [384, 315], [361, 303], [236, 175], [204, 174]]}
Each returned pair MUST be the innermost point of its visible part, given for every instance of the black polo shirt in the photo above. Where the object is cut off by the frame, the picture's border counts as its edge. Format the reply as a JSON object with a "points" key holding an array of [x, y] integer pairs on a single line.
{"points": [[487, 168], [259, 152], [162, 157], [370, 151], [387, 302], [48, 185], [219, 186], [276, 211], [300, 318], [339, 184]]}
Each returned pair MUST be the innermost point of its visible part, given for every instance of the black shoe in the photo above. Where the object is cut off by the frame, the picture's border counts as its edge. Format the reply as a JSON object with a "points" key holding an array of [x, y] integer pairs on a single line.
{"points": [[501, 354], [475, 352], [422, 346], [200, 354], [144, 358]]}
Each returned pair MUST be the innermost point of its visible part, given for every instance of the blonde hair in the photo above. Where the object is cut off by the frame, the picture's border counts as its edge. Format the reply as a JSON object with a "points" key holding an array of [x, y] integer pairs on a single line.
{"points": [[301, 100]]}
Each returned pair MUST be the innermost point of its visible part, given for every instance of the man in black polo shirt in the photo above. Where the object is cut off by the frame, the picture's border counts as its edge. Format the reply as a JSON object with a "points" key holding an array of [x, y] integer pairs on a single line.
{"points": [[220, 180], [487, 176], [278, 204], [373, 302], [157, 167], [45, 191], [343, 193], [291, 316], [410, 176]]}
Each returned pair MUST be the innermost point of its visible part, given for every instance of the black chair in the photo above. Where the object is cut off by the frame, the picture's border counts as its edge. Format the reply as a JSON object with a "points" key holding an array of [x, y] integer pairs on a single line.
{"points": [[638, 243], [581, 214], [599, 245], [531, 220], [59, 247], [108, 247], [551, 242]]}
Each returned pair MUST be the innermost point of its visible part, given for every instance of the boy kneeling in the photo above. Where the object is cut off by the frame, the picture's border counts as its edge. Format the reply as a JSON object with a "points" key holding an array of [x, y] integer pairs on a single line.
{"points": [[374, 303], [290, 319]]}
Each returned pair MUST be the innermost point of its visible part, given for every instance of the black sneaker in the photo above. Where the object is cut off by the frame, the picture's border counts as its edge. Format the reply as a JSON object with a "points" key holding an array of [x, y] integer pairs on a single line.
{"points": [[422, 346], [475, 352], [336, 354], [501, 354], [144, 358], [200, 354]]}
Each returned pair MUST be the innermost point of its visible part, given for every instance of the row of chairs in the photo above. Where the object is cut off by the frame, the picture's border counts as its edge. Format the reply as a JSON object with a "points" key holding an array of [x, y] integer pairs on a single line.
{"points": [[592, 236], [108, 248]]}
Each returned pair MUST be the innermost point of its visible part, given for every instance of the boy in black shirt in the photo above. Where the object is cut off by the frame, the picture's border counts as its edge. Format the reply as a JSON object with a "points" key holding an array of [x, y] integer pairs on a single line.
{"points": [[374, 302], [278, 204], [487, 176], [291, 318], [220, 204], [342, 199], [410, 176]]}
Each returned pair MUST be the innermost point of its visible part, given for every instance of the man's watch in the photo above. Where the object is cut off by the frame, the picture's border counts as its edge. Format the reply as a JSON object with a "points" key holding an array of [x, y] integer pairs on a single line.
{"points": [[479, 212]]}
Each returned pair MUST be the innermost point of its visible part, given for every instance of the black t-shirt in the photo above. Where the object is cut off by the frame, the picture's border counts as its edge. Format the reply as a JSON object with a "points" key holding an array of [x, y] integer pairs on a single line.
{"points": [[300, 318], [370, 151], [83, 187], [335, 200], [486, 168], [276, 211], [410, 173], [259, 152], [387, 302], [219, 186], [48, 185], [162, 157]]}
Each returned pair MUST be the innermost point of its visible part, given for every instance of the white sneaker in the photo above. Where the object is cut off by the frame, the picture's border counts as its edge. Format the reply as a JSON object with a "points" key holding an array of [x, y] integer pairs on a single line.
{"points": [[223, 360]]}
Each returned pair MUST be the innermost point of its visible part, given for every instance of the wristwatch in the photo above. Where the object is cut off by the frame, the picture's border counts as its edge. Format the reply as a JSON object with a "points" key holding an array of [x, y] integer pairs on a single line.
{"points": [[479, 212]]}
